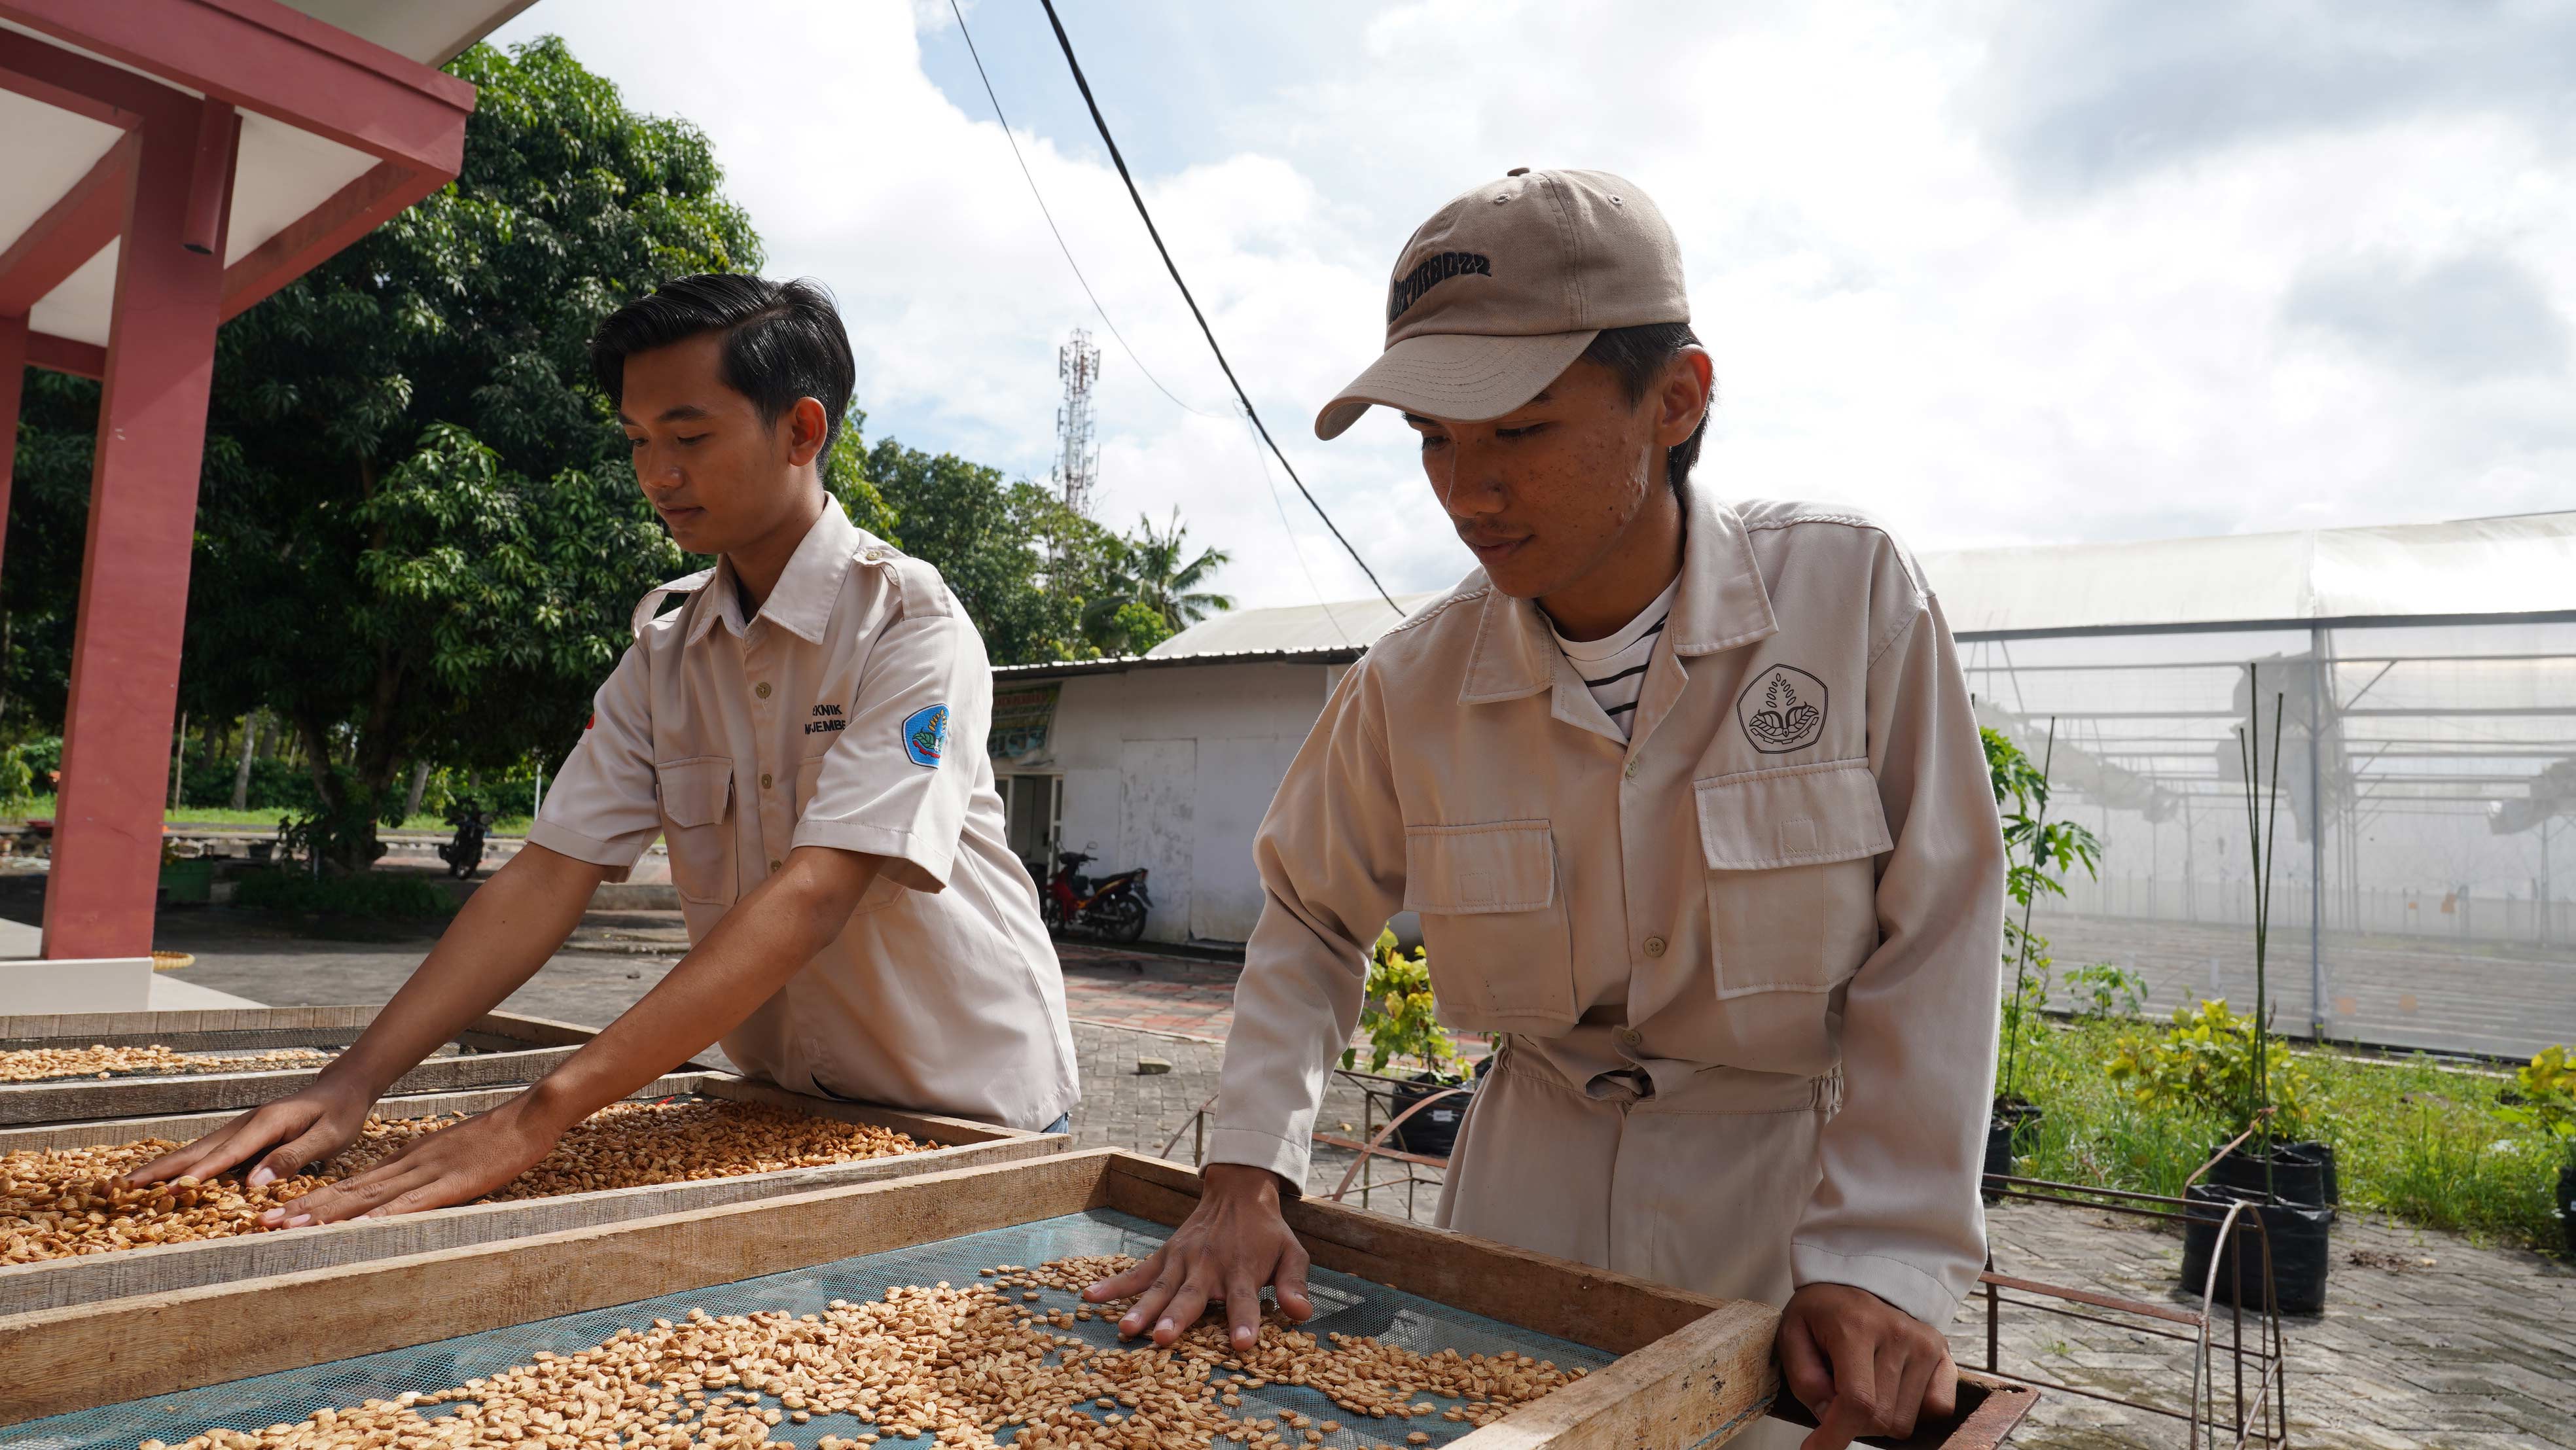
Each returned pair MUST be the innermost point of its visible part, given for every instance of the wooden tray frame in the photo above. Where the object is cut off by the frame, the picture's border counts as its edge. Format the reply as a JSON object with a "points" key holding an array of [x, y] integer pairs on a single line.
{"points": [[508, 1048], [164, 1268], [1692, 1370]]}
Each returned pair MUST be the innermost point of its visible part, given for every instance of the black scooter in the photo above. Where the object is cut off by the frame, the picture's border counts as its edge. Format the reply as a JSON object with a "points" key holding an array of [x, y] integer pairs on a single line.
{"points": [[463, 852]]}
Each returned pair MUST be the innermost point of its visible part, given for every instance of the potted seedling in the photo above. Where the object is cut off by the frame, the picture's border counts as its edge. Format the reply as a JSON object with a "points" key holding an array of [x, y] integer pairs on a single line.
{"points": [[2038, 853], [2545, 1090], [2294, 1233], [1404, 1030]]}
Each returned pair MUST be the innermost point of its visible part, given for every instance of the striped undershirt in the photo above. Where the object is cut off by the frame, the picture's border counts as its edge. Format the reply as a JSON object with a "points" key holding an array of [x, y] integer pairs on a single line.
{"points": [[1614, 669]]}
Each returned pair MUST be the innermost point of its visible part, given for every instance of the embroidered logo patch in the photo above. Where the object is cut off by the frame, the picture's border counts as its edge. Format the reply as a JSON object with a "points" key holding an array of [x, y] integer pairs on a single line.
{"points": [[1782, 710], [925, 735]]}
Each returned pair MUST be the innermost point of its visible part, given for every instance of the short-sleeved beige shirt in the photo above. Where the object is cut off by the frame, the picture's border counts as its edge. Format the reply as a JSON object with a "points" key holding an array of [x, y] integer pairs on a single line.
{"points": [[850, 712]]}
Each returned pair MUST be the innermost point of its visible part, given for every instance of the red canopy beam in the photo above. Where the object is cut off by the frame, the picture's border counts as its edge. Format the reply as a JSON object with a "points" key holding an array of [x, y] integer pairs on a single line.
{"points": [[134, 566], [262, 56], [66, 355], [70, 232]]}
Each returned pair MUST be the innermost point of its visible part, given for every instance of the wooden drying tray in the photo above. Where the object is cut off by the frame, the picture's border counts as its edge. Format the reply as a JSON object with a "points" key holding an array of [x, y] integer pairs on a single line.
{"points": [[1692, 1370], [500, 1047], [164, 1268]]}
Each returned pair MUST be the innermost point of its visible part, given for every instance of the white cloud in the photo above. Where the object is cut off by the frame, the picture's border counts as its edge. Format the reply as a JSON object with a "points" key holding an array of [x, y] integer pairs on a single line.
{"points": [[1924, 293]]}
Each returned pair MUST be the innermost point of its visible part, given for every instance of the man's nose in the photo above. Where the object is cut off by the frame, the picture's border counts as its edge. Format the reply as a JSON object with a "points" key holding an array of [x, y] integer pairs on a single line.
{"points": [[1468, 482]]}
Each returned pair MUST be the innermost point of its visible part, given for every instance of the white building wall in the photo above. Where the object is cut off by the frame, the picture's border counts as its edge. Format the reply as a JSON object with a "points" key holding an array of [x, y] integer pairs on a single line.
{"points": [[1171, 769]]}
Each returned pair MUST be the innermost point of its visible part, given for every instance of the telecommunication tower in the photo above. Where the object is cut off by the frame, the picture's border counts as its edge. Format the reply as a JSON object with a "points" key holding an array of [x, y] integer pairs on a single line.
{"points": [[1077, 459]]}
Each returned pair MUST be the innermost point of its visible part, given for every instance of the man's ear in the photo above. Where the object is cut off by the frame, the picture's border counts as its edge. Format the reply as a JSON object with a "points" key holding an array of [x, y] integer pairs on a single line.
{"points": [[807, 427], [1683, 398]]}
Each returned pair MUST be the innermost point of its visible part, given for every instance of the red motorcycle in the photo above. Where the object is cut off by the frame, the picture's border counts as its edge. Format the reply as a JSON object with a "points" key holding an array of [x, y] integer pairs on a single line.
{"points": [[1113, 907]]}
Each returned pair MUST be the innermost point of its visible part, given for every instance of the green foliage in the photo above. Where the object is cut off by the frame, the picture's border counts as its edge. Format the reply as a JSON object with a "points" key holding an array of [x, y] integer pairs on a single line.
{"points": [[2106, 989], [27, 769], [2207, 1063], [1021, 563], [373, 896], [2545, 1093], [1152, 568], [2427, 1143], [1139, 627], [1399, 1017]]}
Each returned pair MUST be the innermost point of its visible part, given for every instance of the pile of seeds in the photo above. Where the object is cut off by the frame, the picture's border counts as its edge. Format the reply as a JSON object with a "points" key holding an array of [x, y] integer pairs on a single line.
{"points": [[36, 1064], [62, 1202], [957, 1364]]}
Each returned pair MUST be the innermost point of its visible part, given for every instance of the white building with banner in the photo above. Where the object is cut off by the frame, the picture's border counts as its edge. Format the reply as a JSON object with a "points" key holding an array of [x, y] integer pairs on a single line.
{"points": [[2425, 675]]}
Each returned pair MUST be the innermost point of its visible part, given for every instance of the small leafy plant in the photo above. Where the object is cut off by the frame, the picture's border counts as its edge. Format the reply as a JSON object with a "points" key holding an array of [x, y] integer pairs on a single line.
{"points": [[2211, 1061], [2546, 1089], [2038, 854], [2106, 989], [1398, 1014]]}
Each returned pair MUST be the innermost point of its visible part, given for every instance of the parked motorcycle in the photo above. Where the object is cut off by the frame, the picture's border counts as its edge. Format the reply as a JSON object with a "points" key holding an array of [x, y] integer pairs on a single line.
{"points": [[1113, 907], [463, 852]]}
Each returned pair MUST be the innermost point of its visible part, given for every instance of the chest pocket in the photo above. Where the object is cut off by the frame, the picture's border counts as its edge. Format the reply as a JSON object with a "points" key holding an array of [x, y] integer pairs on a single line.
{"points": [[1792, 888], [883, 890], [698, 825], [1494, 922]]}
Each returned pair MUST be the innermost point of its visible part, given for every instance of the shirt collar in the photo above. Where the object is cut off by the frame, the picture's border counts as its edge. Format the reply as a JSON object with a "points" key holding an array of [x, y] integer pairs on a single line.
{"points": [[807, 589], [1721, 604]]}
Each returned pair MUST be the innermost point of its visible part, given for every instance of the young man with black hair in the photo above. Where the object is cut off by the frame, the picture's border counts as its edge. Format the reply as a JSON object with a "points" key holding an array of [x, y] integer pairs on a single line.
{"points": [[1693, 808], [805, 731]]}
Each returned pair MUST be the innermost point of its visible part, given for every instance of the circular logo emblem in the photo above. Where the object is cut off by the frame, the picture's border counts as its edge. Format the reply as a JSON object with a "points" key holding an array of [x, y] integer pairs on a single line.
{"points": [[1782, 710]]}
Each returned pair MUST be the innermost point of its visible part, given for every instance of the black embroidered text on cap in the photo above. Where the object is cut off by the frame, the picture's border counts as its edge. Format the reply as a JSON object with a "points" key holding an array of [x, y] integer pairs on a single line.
{"points": [[1409, 288]]}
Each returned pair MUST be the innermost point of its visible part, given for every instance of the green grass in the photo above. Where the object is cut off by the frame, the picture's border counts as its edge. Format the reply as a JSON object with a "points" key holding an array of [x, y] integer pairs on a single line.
{"points": [[2413, 1140], [42, 806]]}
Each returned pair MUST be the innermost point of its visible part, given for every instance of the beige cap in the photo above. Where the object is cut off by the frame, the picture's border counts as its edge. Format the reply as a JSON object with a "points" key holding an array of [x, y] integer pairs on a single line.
{"points": [[1506, 286]]}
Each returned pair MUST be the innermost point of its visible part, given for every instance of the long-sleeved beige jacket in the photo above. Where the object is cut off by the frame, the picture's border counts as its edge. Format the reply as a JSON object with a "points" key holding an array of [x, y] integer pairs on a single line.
{"points": [[1794, 867]]}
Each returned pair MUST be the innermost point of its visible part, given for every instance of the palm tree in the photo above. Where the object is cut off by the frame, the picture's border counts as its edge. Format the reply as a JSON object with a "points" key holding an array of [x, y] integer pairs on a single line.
{"points": [[1149, 571]]}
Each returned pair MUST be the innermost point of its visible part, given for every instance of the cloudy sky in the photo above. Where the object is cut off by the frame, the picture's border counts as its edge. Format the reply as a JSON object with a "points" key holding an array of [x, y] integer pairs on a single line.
{"points": [[2082, 270]]}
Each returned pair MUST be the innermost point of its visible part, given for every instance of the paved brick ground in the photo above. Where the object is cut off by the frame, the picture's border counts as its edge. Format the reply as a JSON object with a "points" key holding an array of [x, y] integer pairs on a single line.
{"points": [[2476, 1349], [2426, 1339]]}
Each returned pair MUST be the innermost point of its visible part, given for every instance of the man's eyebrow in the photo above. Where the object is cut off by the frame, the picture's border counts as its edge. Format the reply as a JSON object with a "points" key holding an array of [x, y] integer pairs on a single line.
{"points": [[679, 414]]}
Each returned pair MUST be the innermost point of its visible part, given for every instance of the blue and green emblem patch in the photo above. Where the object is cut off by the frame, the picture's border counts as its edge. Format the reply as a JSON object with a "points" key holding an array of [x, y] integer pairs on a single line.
{"points": [[925, 734]]}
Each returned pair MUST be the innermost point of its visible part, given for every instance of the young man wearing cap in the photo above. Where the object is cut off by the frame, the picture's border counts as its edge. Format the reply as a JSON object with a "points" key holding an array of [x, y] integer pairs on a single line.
{"points": [[1693, 809], [805, 733]]}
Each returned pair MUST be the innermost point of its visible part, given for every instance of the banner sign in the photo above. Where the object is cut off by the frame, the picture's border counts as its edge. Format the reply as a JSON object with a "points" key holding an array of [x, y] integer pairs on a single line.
{"points": [[1020, 720]]}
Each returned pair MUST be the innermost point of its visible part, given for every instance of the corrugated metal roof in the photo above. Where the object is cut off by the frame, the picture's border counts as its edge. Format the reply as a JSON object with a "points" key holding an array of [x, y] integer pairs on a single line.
{"points": [[1119, 665], [2517, 566], [2523, 565]]}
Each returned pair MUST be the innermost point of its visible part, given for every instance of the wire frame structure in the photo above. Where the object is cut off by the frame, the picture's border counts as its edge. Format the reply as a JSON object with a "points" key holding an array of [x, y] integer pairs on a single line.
{"points": [[2239, 1386], [2428, 776]]}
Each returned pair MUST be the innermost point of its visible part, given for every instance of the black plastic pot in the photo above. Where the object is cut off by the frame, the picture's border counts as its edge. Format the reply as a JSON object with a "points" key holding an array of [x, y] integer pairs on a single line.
{"points": [[2299, 1173], [2567, 1206], [1433, 1132], [2012, 1117], [2296, 1233]]}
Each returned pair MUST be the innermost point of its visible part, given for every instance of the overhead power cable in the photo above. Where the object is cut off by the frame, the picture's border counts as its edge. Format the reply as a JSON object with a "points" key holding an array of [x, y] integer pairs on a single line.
{"points": [[1066, 43], [1044, 211]]}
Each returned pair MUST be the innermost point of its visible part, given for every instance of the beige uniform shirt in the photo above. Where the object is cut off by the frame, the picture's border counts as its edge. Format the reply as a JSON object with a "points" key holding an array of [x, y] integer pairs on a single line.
{"points": [[1793, 870], [849, 712]]}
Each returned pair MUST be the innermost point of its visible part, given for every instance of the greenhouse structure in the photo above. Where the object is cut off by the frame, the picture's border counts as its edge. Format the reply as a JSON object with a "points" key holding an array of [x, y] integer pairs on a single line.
{"points": [[2424, 683]]}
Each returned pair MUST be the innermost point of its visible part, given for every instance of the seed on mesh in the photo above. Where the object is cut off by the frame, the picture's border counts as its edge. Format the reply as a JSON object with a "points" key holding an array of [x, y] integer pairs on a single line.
{"points": [[66, 1202]]}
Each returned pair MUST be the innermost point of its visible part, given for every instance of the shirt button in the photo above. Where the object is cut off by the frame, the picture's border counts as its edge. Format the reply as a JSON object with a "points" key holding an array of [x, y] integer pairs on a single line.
{"points": [[1654, 944], [764, 780], [1630, 1037], [773, 866], [761, 689], [1631, 772]]}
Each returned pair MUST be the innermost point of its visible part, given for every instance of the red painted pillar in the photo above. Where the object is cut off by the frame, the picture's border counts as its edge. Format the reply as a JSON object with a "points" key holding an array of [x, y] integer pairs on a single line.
{"points": [[13, 376], [134, 566]]}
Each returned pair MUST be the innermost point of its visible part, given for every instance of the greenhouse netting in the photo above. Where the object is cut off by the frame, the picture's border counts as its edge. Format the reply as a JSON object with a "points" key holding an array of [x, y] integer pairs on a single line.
{"points": [[2424, 682]]}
